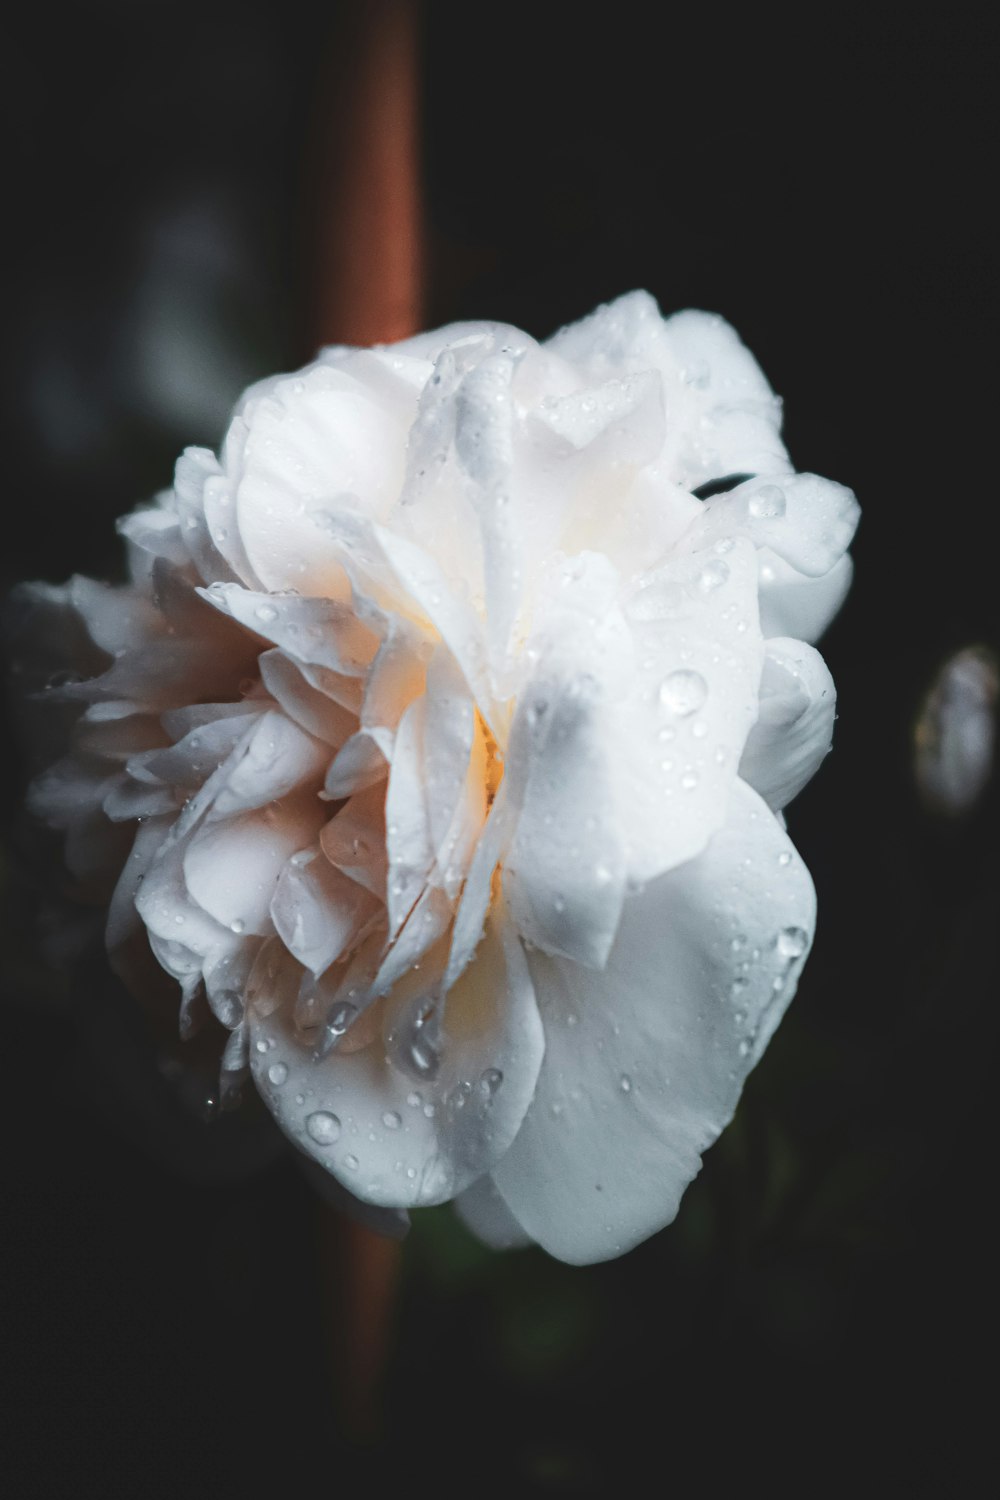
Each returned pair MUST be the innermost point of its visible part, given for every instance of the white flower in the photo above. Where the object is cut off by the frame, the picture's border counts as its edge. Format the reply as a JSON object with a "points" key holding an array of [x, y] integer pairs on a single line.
{"points": [[453, 728]]}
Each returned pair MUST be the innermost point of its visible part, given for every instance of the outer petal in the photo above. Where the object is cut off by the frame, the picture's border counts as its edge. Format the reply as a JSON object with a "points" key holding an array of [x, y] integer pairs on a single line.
{"points": [[312, 439], [794, 605], [482, 1210], [794, 732], [644, 1062], [388, 1139]]}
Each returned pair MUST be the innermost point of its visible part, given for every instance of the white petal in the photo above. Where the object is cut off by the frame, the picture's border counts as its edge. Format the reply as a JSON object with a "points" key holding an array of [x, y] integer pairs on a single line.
{"points": [[454, 779], [313, 710], [197, 753], [354, 839], [321, 632], [231, 867], [408, 845], [808, 521], [123, 919], [360, 763], [644, 1062], [482, 1210], [274, 759], [318, 912], [681, 728], [794, 731], [314, 438], [396, 1140], [793, 605], [195, 468], [564, 871], [470, 918]]}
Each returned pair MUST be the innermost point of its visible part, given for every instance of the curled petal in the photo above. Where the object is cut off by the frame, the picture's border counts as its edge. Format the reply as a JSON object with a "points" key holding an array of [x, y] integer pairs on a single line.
{"points": [[793, 605], [794, 730], [318, 912]]}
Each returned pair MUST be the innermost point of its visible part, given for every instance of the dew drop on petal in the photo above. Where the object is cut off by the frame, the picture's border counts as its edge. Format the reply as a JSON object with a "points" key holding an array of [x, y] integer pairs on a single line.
{"points": [[767, 503], [625, 1084], [351, 1162], [792, 942], [237, 925], [266, 613], [391, 1120], [490, 1081], [713, 575], [339, 1019], [323, 1127], [684, 691], [277, 1073], [229, 1007]]}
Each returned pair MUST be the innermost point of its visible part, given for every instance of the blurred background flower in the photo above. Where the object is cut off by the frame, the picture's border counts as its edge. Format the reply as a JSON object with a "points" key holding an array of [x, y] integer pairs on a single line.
{"points": [[831, 1274]]}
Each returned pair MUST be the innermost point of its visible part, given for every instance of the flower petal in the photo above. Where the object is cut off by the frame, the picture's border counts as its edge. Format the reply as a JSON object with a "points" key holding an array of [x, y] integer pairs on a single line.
{"points": [[313, 438], [793, 605], [231, 867], [808, 521], [794, 731], [318, 912], [482, 1210], [313, 710], [644, 1062], [394, 1140]]}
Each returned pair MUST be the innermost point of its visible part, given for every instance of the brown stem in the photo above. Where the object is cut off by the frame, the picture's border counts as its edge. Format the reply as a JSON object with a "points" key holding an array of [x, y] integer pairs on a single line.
{"points": [[370, 232], [369, 289]]}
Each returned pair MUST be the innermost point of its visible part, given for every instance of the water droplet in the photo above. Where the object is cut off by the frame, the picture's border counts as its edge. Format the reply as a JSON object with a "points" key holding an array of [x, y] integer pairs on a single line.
{"points": [[793, 942], [490, 1081], [323, 1127], [261, 1045], [391, 1120], [744, 1048], [302, 858], [228, 1005], [699, 729], [784, 858], [237, 925], [689, 780], [337, 1022], [713, 575], [266, 613], [351, 1162], [767, 503], [277, 1073], [423, 1057], [684, 691], [414, 1100], [625, 1084]]}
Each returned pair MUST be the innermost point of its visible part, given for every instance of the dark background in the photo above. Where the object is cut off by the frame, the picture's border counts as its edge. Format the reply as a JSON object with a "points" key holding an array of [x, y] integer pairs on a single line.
{"points": [[824, 1310]]}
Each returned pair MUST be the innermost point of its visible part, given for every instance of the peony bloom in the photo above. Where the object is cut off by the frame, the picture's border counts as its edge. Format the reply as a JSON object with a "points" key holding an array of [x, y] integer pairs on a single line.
{"points": [[439, 741]]}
